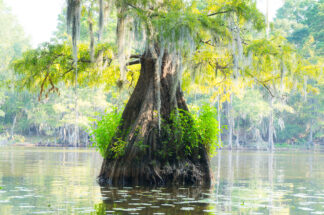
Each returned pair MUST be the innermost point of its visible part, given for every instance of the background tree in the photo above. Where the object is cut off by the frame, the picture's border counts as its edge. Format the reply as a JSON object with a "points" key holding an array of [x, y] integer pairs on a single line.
{"points": [[12, 44]]}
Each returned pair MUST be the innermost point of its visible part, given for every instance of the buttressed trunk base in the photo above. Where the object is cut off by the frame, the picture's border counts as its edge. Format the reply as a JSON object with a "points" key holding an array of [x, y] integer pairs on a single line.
{"points": [[153, 155]]}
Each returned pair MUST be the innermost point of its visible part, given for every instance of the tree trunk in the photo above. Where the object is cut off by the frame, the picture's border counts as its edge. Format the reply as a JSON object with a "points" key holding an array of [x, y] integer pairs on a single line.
{"points": [[219, 121], [13, 126], [92, 40], [153, 156], [230, 123], [310, 137], [237, 140], [271, 127], [267, 19]]}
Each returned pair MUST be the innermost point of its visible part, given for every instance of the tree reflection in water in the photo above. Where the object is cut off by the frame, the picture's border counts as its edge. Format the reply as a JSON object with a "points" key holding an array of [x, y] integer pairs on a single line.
{"points": [[190, 200]]}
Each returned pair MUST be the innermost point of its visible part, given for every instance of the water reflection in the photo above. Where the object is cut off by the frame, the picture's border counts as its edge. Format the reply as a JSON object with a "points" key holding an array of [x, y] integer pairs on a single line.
{"points": [[191, 200], [45, 181], [63, 181]]}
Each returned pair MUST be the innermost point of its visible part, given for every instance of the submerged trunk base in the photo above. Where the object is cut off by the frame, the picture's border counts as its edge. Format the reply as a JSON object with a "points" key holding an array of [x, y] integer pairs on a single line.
{"points": [[184, 173]]}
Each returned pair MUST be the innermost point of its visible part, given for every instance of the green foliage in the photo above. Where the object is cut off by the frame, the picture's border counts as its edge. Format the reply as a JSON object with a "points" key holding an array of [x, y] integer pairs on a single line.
{"points": [[208, 128], [102, 133], [117, 148], [248, 11], [301, 22], [184, 130], [191, 130], [42, 69], [12, 43]]}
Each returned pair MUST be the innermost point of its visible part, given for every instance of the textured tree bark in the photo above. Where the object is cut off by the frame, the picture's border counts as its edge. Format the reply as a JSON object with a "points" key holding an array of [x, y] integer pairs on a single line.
{"points": [[143, 162]]}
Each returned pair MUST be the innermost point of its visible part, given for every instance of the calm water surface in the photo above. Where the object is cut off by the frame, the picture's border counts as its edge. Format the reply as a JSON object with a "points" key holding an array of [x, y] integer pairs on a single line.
{"points": [[63, 181]]}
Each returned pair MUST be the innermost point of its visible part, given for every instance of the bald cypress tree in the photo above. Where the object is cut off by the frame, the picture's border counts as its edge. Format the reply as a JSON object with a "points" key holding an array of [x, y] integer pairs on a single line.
{"points": [[165, 33], [158, 141]]}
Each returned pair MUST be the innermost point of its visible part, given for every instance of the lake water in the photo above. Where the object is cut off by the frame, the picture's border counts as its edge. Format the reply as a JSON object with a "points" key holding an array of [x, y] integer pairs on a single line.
{"points": [[63, 181]]}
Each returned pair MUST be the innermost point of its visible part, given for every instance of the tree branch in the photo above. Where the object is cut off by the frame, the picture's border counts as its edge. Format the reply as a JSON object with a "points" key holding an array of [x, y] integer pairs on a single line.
{"points": [[135, 56], [208, 42], [263, 84], [42, 86], [133, 6], [133, 63], [220, 12]]}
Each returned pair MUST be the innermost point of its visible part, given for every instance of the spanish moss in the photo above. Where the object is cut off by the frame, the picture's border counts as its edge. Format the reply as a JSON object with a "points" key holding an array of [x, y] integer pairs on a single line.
{"points": [[73, 24], [101, 19], [92, 40], [121, 42]]}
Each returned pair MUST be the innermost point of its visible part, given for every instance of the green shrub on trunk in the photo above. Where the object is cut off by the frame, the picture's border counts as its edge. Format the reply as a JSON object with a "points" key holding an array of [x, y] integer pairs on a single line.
{"points": [[102, 132]]}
